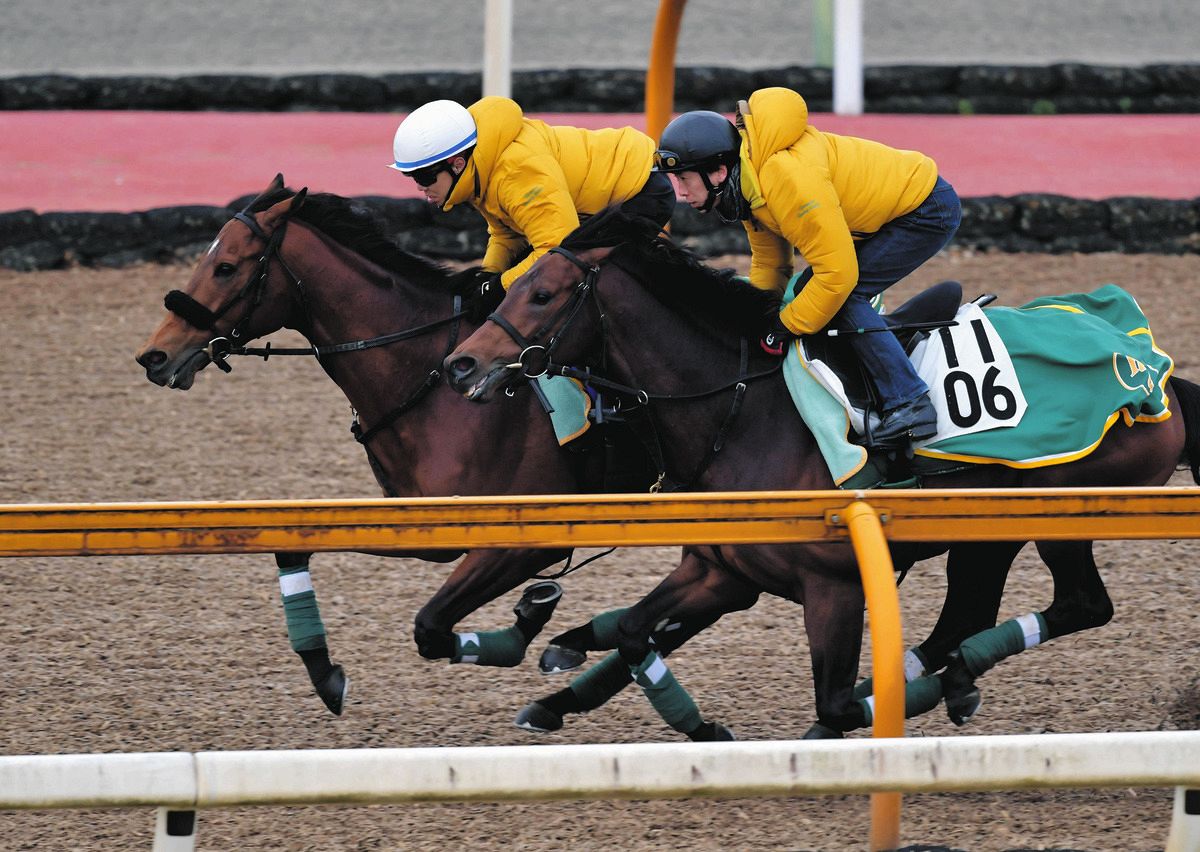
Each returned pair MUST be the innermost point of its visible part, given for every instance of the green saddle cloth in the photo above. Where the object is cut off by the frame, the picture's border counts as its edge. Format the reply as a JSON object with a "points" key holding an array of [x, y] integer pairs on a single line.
{"points": [[1073, 367]]}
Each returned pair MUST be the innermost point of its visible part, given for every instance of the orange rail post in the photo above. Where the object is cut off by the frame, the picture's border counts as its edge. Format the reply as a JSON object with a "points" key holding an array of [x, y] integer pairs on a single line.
{"points": [[887, 642], [660, 75]]}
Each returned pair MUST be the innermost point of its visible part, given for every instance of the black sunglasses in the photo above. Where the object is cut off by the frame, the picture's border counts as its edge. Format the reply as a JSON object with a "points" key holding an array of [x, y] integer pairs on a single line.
{"points": [[428, 175]]}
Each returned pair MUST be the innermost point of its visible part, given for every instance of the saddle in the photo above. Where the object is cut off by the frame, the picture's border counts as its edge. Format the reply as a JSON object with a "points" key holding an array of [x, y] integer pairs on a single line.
{"points": [[939, 303]]}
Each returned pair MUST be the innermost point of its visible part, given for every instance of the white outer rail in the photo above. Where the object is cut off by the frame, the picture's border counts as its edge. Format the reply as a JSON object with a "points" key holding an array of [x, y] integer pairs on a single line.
{"points": [[632, 771]]}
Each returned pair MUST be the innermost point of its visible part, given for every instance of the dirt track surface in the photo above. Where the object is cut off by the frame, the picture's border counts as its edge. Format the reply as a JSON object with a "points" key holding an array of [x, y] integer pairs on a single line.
{"points": [[128, 654]]}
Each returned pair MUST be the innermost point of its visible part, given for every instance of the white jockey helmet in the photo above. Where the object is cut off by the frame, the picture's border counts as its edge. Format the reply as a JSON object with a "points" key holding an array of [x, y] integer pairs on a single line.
{"points": [[432, 133]]}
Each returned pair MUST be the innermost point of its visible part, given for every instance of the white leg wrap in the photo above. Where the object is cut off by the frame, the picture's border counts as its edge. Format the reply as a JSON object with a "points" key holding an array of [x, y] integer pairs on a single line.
{"points": [[913, 667], [294, 584], [1032, 630]]}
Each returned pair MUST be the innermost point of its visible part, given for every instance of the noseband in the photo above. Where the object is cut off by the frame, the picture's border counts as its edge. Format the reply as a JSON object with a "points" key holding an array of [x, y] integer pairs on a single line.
{"points": [[566, 314], [199, 316]]}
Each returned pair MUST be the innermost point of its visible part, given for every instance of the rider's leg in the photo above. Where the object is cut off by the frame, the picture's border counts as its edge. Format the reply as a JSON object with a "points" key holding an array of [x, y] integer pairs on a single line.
{"points": [[893, 252]]}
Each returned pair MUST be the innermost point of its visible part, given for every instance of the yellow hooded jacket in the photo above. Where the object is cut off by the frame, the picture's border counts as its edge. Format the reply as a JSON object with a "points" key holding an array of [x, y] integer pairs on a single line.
{"points": [[531, 180], [817, 192]]}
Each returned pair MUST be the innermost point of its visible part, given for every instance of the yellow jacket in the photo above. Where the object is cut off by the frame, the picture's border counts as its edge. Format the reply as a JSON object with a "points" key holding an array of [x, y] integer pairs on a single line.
{"points": [[531, 180], [817, 192]]}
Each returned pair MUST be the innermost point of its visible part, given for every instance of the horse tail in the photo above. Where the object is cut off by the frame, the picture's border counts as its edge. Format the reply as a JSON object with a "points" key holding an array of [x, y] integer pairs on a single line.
{"points": [[1187, 395]]}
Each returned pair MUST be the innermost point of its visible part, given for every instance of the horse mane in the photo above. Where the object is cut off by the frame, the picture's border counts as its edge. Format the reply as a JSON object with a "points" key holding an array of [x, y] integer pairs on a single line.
{"points": [[674, 274], [354, 226]]}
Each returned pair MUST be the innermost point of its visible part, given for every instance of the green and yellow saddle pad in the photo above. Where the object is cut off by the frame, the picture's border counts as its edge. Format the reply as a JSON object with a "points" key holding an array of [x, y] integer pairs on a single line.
{"points": [[569, 406], [1024, 387]]}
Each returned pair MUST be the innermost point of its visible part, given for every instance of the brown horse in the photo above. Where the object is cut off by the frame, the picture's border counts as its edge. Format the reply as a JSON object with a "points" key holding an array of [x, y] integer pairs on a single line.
{"points": [[675, 334], [380, 321]]}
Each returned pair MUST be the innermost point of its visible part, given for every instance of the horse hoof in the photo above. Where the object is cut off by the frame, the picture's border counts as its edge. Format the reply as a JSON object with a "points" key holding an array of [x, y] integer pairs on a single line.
{"points": [[538, 601], [535, 717], [711, 732], [557, 659], [962, 708], [333, 689], [822, 732]]}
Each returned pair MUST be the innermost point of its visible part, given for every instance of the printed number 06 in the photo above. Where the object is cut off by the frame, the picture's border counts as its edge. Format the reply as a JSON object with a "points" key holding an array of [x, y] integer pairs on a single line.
{"points": [[997, 400]]}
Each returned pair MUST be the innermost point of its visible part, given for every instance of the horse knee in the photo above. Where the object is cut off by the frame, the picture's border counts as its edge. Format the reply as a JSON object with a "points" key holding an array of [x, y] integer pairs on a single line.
{"points": [[433, 643]]}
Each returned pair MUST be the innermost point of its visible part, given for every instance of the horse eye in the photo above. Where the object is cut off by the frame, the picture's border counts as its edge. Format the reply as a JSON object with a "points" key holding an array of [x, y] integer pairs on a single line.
{"points": [[541, 297], [224, 270]]}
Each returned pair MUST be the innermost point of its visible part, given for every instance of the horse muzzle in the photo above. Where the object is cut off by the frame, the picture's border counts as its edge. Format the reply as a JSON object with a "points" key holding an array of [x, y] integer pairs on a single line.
{"points": [[179, 372], [475, 381]]}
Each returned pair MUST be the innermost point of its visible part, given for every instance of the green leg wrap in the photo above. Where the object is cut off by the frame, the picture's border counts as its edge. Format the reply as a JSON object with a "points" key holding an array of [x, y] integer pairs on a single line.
{"points": [[601, 682], [984, 650], [920, 696], [915, 665], [304, 626], [604, 628], [505, 648], [667, 697]]}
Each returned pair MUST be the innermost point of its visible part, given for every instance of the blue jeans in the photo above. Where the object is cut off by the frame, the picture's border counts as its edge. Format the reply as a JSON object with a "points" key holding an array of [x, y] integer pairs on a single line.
{"points": [[891, 253]]}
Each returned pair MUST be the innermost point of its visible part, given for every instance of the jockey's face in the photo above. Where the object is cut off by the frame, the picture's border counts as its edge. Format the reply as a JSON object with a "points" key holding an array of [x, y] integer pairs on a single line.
{"points": [[437, 192], [690, 188]]}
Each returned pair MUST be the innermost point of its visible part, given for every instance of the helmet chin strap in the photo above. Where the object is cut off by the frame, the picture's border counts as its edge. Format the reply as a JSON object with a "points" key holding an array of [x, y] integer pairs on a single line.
{"points": [[714, 192]]}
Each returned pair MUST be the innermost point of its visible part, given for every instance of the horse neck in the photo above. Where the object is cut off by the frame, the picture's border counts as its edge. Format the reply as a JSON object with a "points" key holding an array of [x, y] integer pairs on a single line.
{"points": [[658, 350], [348, 298]]}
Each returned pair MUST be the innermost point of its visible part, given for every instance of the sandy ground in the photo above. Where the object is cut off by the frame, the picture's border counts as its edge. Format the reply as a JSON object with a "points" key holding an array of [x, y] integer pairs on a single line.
{"points": [[190, 653]]}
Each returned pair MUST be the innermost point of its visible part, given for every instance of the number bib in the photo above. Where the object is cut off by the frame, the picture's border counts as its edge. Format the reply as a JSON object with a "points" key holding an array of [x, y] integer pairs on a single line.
{"points": [[970, 375]]}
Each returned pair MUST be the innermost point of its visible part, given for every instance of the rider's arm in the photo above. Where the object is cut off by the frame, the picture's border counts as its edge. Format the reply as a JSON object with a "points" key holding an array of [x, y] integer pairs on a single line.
{"points": [[503, 245], [770, 258], [539, 204], [810, 216]]}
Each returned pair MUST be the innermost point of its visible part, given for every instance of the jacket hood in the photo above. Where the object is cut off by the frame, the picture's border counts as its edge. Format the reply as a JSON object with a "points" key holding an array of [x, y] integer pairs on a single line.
{"points": [[497, 122], [773, 119]]}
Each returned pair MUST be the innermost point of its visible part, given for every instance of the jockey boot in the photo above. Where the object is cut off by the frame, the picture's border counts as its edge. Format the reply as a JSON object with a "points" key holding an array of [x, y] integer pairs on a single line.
{"points": [[910, 422]]}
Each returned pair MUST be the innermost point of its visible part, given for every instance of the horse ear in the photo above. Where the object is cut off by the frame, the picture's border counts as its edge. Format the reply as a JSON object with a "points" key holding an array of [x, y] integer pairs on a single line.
{"points": [[298, 200], [278, 211], [276, 184]]}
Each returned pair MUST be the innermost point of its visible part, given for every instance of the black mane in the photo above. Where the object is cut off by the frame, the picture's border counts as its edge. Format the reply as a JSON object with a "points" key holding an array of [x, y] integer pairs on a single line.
{"points": [[675, 275], [354, 226]]}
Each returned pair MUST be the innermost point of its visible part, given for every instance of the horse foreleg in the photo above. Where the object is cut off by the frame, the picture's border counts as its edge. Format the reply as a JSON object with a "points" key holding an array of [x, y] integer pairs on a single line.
{"points": [[606, 678], [696, 589], [482, 576], [1080, 602], [833, 622], [306, 631], [568, 650]]}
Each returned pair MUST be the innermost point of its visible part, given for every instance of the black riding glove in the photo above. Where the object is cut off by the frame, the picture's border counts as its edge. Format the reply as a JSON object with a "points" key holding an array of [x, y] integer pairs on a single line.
{"points": [[775, 338], [488, 295]]}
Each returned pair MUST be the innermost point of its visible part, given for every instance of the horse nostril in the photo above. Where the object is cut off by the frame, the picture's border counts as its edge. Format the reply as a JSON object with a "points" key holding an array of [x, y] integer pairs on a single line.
{"points": [[152, 358], [462, 367]]}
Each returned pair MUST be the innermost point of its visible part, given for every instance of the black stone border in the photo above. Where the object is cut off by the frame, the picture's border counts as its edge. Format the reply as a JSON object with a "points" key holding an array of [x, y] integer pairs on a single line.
{"points": [[938, 89], [1023, 223]]}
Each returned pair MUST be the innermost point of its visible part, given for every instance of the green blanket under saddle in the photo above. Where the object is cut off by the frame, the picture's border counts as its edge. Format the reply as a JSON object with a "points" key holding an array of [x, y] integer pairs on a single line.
{"points": [[1024, 387]]}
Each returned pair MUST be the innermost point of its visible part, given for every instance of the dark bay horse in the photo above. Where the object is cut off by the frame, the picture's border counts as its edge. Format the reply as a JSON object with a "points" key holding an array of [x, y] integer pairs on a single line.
{"points": [[315, 264], [675, 333]]}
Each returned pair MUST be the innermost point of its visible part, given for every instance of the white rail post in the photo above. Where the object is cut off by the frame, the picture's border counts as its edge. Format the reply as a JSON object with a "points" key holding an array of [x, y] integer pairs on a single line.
{"points": [[497, 48], [847, 57], [174, 831], [1185, 821]]}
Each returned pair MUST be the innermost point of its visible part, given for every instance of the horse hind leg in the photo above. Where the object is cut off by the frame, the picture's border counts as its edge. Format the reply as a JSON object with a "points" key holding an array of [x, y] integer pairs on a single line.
{"points": [[594, 687], [1080, 602], [306, 630]]}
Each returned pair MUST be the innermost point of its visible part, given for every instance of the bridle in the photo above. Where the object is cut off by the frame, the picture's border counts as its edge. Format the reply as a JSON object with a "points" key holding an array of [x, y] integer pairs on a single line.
{"points": [[646, 431], [566, 315], [220, 348]]}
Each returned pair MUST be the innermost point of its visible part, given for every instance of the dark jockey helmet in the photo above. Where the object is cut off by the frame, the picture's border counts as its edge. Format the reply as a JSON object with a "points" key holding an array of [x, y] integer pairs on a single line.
{"points": [[699, 141]]}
